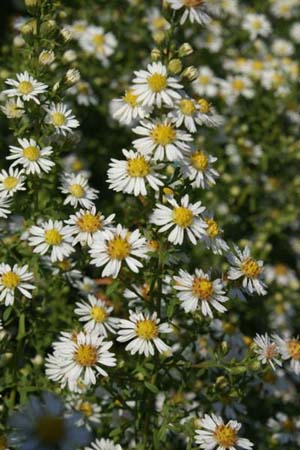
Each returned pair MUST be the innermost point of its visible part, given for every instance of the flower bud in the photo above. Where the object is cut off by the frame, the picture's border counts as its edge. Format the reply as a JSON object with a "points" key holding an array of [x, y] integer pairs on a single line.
{"points": [[29, 27], [46, 57], [185, 50], [66, 34], [190, 73], [72, 76], [155, 54], [159, 36], [69, 56], [175, 66]]}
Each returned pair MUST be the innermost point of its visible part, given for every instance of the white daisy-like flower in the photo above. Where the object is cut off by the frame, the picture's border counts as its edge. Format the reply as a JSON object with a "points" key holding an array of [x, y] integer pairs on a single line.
{"points": [[78, 191], [86, 286], [243, 265], [91, 412], [256, 25], [80, 358], [103, 444], [131, 175], [13, 109], [267, 350], [11, 181], [129, 108], [25, 87], [5, 203], [206, 83], [194, 10], [65, 268], [51, 235], [84, 224], [236, 86], [214, 433], [84, 93], [198, 291], [98, 43], [289, 349], [191, 113], [154, 87], [162, 139], [197, 167], [13, 279], [184, 218], [46, 424], [112, 247], [143, 330], [31, 156], [156, 20], [61, 118], [96, 314], [212, 237]]}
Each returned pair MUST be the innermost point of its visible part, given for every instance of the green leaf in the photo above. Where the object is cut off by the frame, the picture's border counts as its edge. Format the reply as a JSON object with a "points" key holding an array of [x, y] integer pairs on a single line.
{"points": [[151, 387]]}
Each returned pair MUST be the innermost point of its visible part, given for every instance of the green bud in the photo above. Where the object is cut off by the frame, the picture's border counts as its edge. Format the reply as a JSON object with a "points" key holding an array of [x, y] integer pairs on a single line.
{"points": [[175, 66], [185, 50]]}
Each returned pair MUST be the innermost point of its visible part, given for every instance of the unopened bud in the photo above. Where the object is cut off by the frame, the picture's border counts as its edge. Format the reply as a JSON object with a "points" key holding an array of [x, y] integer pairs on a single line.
{"points": [[185, 50], [69, 56], [159, 36], [29, 27], [155, 54], [72, 76], [190, 73], [175, 66], [66, 34], [31, 3], [46, 57]]}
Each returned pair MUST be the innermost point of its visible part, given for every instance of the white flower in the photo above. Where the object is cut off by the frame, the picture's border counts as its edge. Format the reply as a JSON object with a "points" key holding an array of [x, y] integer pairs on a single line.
{"points": [[31, 156], [61, 118], [11, 181], [12, 279], [195, 10], [197, 167], [267, 350], [13, 109], [161, 139], [156, 20], [103, 444], [295, 32], [86, 286], [96, 314], [84, 224], [206, 84], [78, 358], [184, 218], [25, 87], [199, 291], [128, 108], [98, 43], [44, 423], [214, 433], [243, 265], [78, 191], [282, 47], [236, 86], [112, 247], [130, 176], [91, 412], [143, 330], [256, 25], [5, 202], [84, 93], [154, 87], [289, 349], [212, 238], [51, 235]]}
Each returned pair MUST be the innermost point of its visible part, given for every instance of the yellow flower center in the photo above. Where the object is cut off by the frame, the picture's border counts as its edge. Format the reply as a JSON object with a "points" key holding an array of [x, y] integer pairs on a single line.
{"points": [[130, 98], [281, 269], [225, 436], [183, 217], [159, 22], [86, 409], [257, 65], [64, 265], [98, 40], [203, 79], [212, 229], [118, 248], [53, 237], [10, 183], [86, 355], [187, 107], [32, 153], [238, 85], [98, 314], [77, 165], [163, 134], [10, 280], [202, 288], [77, 190], [199, 160], [192, 3], [204, 105], [294, 349], [251, 268], [25, 87], [50, 430], [157, 82], [138, 167], [146, 329], [256, 24], [89, 223], [58, 119]]}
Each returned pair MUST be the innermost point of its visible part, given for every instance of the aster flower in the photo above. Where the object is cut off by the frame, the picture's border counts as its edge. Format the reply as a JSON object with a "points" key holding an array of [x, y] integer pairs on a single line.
{"points": [[198, 291], [289, 349], [112, 247], [130, 176], [212, 237], [61, 118], [256, 25], [103, 444], [184, 218], [267, 350], [12, 279], [95, 41], [161, 139], [194, 10], [243, 265], [11, 181], [25, 87], [154, 87], [5, 202], [51, 235], [129, 108], [31, 156], [96, 314], [13, 109], [206, 83], [214, 433], [143, 330], [197, 167], [91, 412], [78, 191]]}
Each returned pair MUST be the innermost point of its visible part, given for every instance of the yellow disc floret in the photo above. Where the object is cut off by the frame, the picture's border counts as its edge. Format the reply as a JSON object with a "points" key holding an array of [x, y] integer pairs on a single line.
{"points": [[25, 87], [130, 98], [77, 190], [225, 436], [187, 107], [98, 314], [183, 217], [10, 182], [202, 288], [89, 223], [118, 248], [86, 355], [157, 82], [146, 329], [199, 160], [32, 153], [58, 119], [294, 348], [138, 167], [212, 228], [163, 134], [53, 237], [204, 105], [10, 280], [250, 268]]}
